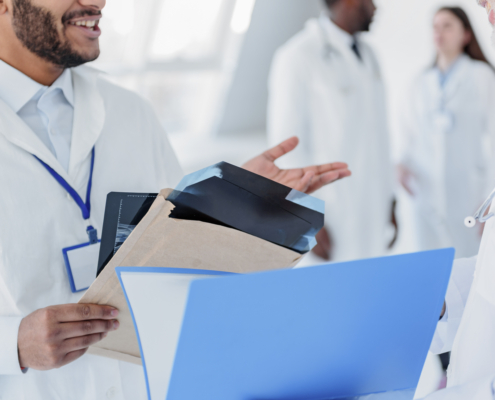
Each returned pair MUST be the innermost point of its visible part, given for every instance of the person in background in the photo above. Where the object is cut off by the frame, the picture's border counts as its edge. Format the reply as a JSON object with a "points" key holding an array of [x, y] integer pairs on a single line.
{"points": [[449, 137], [326, 88]]}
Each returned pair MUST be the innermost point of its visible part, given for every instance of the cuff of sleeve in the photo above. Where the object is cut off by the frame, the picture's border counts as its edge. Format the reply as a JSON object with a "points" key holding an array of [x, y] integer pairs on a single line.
{"points": [[9, 356], [449, 324]]}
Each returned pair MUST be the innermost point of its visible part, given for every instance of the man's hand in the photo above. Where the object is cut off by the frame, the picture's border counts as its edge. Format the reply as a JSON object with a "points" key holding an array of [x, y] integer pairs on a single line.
{"points": [[55, 336], [324, 247], [395, 224], [405, 178], [306, 180]]}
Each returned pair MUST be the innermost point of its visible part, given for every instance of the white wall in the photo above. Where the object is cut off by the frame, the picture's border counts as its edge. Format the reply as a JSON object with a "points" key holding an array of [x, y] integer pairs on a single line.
{"points": [[273, 23]]}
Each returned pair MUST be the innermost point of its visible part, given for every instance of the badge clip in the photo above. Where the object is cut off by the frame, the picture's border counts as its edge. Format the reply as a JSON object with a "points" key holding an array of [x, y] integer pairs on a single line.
{"points": [[92, 235]]}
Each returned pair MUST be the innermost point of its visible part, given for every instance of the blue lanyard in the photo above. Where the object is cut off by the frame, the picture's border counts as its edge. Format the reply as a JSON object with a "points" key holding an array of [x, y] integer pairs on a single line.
{"points": [[84, 206]]}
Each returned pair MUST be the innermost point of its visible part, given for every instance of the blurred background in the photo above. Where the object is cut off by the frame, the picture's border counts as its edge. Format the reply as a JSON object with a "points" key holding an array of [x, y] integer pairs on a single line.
{"points": [[204, 66]]}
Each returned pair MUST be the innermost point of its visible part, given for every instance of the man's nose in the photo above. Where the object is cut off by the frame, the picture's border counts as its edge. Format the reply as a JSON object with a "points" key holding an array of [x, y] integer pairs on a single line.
{"points": [[95, 4]]}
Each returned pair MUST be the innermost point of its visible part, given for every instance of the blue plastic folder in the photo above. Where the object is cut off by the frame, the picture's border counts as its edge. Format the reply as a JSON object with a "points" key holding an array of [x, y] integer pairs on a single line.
{"points": [[355, 330]]}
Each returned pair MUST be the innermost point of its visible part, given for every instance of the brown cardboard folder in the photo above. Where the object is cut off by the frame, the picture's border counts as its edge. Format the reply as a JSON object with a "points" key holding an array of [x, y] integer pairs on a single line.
{"points": [[160, 241]]}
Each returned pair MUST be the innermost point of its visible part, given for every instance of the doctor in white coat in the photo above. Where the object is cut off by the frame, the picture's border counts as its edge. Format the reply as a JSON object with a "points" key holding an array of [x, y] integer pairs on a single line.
{"points": [[326, 88], [467, 326], [68, 137], [449, 137]]}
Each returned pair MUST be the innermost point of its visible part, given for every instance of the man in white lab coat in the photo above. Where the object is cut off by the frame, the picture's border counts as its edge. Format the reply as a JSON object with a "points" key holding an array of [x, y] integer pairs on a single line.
{"points": [[325, 87], [68, 134]]}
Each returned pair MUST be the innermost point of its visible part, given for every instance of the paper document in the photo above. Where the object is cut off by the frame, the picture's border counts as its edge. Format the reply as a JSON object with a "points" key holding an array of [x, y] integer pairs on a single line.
{"points": [[359, 329], [162, 329]]}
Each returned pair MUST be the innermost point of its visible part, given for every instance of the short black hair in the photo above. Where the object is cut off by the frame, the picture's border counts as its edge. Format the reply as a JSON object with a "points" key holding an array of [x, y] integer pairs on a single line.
{"points": [[331, 3]]}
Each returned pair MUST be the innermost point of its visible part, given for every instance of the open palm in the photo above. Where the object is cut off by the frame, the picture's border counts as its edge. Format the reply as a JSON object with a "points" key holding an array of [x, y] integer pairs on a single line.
{"points": [[307, 179]]}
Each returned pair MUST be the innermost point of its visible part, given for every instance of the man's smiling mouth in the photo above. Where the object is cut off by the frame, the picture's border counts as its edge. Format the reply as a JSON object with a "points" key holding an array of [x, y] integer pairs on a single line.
{"points": [[91, 25]]}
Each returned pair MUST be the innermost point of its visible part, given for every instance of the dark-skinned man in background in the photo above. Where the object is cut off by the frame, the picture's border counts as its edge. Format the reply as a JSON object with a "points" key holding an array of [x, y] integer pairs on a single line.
{"points": [[326, 88]]}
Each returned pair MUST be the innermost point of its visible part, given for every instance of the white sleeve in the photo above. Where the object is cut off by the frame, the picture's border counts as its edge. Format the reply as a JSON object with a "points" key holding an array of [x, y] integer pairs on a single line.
{"points": [[456, 299], [476, 390], [489, 85], [408, 128], [9, 358], [287, 114]]}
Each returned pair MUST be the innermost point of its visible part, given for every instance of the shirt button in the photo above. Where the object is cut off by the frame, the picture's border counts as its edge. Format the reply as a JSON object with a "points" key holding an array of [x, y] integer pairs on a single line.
{"points": [[111, 392]]}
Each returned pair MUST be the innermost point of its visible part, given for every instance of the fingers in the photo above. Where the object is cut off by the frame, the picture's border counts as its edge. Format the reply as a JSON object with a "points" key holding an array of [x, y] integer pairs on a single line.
{"points": [[83, 312], [305, 182], [319, 181], [81, 343], [72, 356], [408, 189], [324, 247], [283, 148], [89, 327], [324, 168]]}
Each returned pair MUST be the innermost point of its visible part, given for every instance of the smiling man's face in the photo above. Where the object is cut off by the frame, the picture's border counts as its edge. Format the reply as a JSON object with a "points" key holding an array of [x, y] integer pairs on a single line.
{"points": [[62, 32]]}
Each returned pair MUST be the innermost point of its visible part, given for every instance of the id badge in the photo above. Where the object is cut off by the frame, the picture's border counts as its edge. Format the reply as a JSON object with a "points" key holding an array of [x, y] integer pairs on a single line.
{"points": [[81, 262]]}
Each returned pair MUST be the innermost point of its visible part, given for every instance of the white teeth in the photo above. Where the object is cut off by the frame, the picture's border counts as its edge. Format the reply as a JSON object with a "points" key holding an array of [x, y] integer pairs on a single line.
{"points": [[87, 24]]}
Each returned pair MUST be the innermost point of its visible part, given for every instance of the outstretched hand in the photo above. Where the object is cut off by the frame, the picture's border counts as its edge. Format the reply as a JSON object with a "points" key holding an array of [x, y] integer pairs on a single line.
{"points": [[307, 180]]}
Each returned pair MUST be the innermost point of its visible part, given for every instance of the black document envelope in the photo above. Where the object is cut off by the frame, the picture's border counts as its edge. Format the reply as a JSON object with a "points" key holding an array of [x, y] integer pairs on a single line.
{"points": [[233, 197], [224, 195]]}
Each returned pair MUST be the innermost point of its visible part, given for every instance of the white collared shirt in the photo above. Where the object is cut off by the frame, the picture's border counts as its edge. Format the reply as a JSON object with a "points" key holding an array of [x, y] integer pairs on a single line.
{"points": [[334, 31], [38, 219], [47, 110]]}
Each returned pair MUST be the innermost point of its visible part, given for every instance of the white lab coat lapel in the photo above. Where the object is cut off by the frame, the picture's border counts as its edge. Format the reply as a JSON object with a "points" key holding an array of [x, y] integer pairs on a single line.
{"points": [[433, 204], [342, 66], [370, 63], [435, 91], [456, 78], [433, 88], [89, 116], [15, 130]]}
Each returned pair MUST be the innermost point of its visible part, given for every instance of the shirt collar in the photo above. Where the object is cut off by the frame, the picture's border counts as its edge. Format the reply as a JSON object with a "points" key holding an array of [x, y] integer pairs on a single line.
{"points": [[64, 83], [334, 31], [17, 89], [444, 76]]}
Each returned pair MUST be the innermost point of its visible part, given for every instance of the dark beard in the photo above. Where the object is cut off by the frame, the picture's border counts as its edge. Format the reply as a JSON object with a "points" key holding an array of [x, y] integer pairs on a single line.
{"points": [[35, 27], [367, 19]]}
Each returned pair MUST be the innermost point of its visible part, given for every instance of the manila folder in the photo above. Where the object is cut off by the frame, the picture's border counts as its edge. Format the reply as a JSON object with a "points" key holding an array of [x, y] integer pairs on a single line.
{"points": [[160, 241]]}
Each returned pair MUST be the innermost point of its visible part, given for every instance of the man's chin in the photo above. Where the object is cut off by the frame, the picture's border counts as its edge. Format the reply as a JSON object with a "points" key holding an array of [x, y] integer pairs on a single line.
{"points": [[88, 55], [79, 58]]}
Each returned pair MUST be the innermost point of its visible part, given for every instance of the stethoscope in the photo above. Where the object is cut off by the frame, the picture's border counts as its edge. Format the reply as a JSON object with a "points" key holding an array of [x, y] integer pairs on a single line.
{"points": [[480, 216]]}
